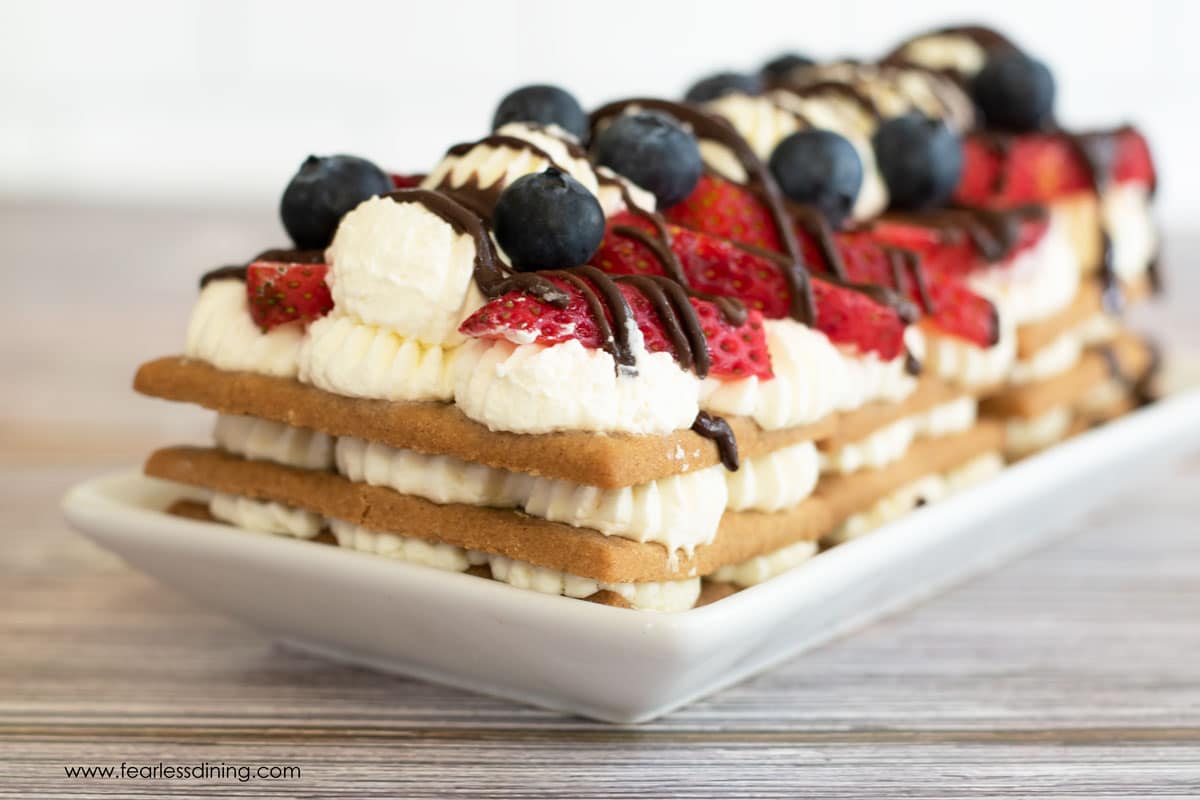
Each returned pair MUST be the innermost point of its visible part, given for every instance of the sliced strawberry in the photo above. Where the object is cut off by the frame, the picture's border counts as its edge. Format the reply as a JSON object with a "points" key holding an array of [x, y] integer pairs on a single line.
{"points": [[849, 317], [1040, 167], [729, 210], [406, 181], [280, 293], [735, 351], [962, 313], [719, 267]]}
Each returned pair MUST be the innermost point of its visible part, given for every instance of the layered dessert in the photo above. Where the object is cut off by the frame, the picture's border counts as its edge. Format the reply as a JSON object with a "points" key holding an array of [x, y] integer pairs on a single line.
{"points": [[647, 356], [970, 173]]}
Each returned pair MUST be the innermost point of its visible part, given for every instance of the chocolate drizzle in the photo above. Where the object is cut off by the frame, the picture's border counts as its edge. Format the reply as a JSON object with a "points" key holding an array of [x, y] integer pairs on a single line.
{"points": [[708, 126], [600, 291], [237, 271], [815, 224], [1140, 387], [718, 430], [284, 256], [482, 199]]}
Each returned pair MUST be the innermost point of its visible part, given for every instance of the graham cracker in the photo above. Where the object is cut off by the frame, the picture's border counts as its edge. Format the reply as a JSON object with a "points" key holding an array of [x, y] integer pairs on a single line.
{"points": [[853, 426], [848, 494], [1033, 336], [610, 461], [191, 509], [578, 551], [1034, 399]]}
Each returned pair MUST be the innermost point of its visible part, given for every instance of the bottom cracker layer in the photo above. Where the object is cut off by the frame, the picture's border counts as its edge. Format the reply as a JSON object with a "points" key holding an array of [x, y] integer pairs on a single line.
{"points": [[577, 551]]}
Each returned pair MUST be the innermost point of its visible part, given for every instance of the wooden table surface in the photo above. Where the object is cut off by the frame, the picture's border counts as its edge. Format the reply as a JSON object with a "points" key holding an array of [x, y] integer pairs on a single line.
{"points": [[1072, 673]]}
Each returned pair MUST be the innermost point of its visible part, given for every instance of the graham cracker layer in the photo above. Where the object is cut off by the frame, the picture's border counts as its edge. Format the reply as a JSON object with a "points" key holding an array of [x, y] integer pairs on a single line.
{"points": [[579, 551], [1033, 336], [848, 494], [1032, 400], [853, 426], [610, 461], [191, 509]]}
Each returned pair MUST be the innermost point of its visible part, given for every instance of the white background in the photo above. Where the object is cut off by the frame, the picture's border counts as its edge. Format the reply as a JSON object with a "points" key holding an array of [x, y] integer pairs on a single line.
{"points": [[216, 103]]}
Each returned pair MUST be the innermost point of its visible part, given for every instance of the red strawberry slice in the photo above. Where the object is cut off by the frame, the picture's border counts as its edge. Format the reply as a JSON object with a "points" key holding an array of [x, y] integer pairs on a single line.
{"points": [[406, 181], [1040, 167], [280, 293], [729, 210], [736, 351], [945, 299], [962, 313], [719, 267]]}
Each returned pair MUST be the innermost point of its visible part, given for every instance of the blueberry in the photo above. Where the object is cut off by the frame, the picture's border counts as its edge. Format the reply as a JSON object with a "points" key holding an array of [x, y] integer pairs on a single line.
{"points": [[782, 66], [714, 86], [1014, 92], [324, 190], [820, 169], [548, 220], [544, 105], [920, 159], [654, 151]]}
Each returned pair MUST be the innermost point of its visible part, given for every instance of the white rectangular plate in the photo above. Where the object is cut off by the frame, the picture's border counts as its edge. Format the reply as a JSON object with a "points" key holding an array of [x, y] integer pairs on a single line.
{"points": [[608, 663]]}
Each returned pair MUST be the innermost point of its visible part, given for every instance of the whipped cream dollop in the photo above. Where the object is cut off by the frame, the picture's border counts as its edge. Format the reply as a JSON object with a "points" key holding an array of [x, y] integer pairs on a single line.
{"points": [[774, 481], [1025, 436], [1126, 211], [950, 51], [399, 266], [875, 451], [1054, 359], [351, 358], [766, 120], [965, 363], [679, 512], [532, 388], [1037, 282], [222, 333], [266, 440], [811, 381], [665, 596], [265, 516], [498, 160], [762, 568]]}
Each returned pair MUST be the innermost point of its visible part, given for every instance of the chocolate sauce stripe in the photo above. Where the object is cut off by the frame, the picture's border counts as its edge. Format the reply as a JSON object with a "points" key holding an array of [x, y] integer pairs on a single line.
{"points": [[708, 126]]}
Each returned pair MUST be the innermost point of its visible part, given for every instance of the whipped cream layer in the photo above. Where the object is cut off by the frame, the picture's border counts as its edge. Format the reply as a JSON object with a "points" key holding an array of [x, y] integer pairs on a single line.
{"points": [[1025, 436], [401, 267], [775, 481], [531, 388], [762, 568], [1054, 359], [1037, 282], [766, 120], [946, 419], [663, 596], [491, 165], [890, 443], [811, 381], [885, 446], [679, 512], [222, 332], [265, 516], [812, 378], [927, 489], [1126, 211], [265, 440], [966, 364], [438, 555], [351, 358]]}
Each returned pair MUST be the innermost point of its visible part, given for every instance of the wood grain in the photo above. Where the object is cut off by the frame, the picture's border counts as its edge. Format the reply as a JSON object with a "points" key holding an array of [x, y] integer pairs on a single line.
{"points": [[1073, 673]]}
